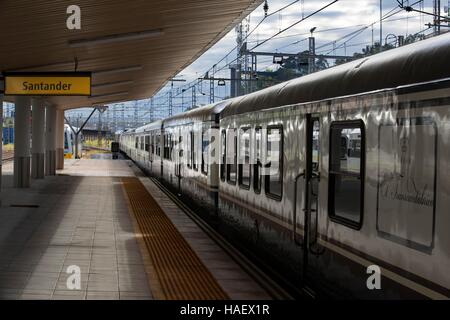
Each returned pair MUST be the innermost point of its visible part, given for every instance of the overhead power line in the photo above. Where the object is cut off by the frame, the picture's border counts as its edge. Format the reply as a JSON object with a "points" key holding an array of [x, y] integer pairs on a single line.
{"points": [[253, 30], [354, 34], [410, 8], [281, 31]]}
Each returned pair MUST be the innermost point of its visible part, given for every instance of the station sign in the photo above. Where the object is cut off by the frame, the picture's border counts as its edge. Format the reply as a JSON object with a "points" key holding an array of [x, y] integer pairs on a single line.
{"points": [[47, 83]]}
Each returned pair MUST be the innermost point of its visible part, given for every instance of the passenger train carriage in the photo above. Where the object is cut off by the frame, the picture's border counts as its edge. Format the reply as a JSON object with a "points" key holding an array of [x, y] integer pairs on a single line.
{"points": [[329, 177], [69, 142]]}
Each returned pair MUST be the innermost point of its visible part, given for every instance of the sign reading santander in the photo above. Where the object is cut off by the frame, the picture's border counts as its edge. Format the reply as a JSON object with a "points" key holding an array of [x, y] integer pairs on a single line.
{"points": [[47, 83]]}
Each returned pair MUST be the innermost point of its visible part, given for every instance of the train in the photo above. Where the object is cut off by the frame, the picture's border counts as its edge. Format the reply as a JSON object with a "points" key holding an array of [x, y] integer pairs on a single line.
{"points": [[339, 180]]}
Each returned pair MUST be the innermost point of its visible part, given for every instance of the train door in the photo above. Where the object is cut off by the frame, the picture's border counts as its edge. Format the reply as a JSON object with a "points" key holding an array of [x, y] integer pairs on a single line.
{"points": [[312, 250]]}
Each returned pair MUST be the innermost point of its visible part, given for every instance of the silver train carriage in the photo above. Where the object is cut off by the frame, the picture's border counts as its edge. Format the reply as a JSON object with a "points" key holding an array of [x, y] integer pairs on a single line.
{"points": [[357, 188]]}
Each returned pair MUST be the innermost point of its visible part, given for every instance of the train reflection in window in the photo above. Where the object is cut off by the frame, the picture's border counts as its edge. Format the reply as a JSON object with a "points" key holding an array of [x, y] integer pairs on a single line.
{"points": [[205, 144], [346, 181]]}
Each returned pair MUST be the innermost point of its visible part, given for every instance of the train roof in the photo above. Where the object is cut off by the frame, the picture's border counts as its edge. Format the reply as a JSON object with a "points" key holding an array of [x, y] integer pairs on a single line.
{"points": [[67, 127], [422, 61], [206, 113], [148, 127]]}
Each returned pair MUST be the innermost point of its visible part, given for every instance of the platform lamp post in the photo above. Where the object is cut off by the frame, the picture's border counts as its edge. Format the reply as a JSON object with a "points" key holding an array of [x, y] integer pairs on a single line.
{"points": [[312, 51], [101, 110]]}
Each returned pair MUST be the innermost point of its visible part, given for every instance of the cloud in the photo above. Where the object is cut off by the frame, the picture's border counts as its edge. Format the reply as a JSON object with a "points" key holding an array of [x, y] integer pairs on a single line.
{"points": [[333, 24]]}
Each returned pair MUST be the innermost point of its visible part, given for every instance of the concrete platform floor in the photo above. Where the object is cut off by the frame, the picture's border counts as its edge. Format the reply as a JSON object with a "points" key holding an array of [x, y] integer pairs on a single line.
{"points": [[80, 217]]}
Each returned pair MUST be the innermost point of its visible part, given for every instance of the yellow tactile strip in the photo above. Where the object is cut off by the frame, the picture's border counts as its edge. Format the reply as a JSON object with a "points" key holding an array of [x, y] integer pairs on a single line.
{"points": [[180, 273]]}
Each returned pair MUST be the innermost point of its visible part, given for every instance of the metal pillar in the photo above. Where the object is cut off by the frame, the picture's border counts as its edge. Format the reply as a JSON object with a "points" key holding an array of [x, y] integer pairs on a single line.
{"points": [[254, 73], [114, 110], [170, 99], [238, 82], [59, 139], [312, 52], [22, 142], [212, 92], [233, 77], [38, 139], [108, 124], [50, 135], [437, 14], [151, 115], [136, 115]]}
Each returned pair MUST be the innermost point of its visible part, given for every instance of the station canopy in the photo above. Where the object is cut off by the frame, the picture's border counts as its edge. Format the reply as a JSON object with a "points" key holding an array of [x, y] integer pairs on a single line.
{"points": [[131, 47]]}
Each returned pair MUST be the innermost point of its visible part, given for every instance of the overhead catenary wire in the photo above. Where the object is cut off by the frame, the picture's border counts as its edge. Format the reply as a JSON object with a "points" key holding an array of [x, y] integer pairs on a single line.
{"points": [[294, 24], [410, 8], [281, 31], [358, 32], [389, 14], [253, 30], [322, 31]]}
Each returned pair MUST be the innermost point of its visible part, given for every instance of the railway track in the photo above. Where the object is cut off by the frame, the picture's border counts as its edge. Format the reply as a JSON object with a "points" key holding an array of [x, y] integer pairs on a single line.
{"points": [[270, 283]]}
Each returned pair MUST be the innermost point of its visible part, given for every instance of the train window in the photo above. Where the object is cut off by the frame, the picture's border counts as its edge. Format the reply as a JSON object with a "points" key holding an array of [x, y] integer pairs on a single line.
{"points": [[244, 158], [147, 143], [171, 146], [258, 163], [223, 155], [316, 145], [346, 180], [194, 151], [136, 145], [167, 146], [274, 165], [205, 143], [189, 149], [231, 156]]}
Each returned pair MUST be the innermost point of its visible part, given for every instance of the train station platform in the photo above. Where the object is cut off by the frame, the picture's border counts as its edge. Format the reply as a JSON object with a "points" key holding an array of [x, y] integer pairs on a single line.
{"points": [[129, 240]]}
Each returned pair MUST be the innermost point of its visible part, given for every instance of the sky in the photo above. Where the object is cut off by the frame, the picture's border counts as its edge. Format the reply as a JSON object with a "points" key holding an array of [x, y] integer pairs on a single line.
{"points": [[332, 25]]}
